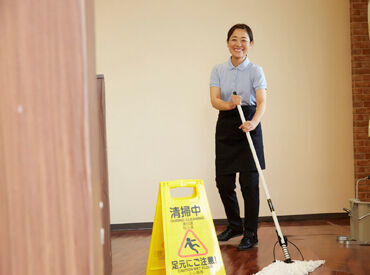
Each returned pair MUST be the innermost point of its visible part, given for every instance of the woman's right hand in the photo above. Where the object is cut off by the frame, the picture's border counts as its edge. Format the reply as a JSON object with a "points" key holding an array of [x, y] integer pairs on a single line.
{"points": [[236, 100]]}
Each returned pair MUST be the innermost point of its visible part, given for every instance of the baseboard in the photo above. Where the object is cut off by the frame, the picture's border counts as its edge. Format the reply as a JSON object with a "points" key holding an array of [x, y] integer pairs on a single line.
{"points": [[321, 216], [131, 226]]}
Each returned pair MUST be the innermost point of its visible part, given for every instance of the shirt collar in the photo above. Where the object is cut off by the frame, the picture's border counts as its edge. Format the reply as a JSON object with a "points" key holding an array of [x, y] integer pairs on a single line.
{"points": [[241, 67]]}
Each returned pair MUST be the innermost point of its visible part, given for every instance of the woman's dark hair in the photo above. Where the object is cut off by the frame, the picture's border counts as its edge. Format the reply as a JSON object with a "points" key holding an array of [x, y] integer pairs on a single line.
{"points": [[243, 27]]}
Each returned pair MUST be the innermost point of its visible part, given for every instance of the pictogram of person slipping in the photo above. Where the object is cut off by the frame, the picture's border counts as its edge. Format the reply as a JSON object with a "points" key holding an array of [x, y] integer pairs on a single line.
{"points": [[191, 245]]}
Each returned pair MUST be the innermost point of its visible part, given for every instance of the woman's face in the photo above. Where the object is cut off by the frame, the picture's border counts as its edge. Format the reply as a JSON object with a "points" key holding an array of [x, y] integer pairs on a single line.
{"points": [[239, 44]]}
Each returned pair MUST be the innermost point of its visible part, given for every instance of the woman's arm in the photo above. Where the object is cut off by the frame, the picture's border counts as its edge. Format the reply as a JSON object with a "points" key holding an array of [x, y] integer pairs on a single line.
{"points": [[220, 104], [260, 110]]}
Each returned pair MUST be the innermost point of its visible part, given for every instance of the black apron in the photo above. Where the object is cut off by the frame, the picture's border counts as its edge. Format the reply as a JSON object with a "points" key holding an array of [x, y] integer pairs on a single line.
{"points": [[233, 153]]}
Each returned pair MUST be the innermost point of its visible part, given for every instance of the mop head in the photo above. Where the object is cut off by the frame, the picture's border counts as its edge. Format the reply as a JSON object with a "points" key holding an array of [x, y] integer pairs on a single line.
{"points": [[296, 268]]}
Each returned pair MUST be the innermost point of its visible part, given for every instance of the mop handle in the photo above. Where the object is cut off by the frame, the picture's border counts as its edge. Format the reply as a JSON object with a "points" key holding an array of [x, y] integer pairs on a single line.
{"points": [[256, 161]]}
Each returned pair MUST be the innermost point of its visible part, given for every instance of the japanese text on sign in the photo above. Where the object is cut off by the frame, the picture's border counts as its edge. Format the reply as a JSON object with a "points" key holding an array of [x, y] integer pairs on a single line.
{"points": [[184, 211], [194, 264]]}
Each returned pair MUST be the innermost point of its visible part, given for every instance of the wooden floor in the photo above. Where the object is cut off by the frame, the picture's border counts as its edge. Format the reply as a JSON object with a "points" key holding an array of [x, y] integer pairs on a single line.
{"points": [[316, 239]]}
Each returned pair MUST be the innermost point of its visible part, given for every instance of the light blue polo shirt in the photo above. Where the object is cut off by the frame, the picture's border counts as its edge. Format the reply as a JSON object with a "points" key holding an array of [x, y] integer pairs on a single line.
{"points": [[245, 79]]}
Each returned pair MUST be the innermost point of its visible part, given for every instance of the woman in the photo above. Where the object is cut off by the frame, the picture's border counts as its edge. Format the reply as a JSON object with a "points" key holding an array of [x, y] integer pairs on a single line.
{"points": [[233, 154]]}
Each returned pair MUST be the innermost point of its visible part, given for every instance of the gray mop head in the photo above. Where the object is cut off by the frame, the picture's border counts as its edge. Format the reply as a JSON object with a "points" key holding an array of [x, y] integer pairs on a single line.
{"points": [[296, 268]]}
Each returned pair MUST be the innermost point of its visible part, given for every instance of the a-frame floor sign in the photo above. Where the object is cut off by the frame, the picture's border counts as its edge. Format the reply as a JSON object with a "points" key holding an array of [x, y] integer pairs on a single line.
{"points": [[184, 240]]}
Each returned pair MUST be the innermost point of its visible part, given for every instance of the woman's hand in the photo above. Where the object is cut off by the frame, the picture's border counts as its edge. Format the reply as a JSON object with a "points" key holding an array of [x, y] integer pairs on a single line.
{"points": [[235, 100], [248, 126], [218, 103], [260, 110]]}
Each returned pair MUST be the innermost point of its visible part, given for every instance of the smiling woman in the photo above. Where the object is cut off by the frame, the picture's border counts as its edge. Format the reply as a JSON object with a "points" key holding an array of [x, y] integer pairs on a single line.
{"points": [[233, 154]]}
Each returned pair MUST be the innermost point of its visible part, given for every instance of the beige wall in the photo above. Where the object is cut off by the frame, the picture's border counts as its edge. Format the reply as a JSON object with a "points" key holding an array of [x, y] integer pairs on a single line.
{"points": [[157, 56]]}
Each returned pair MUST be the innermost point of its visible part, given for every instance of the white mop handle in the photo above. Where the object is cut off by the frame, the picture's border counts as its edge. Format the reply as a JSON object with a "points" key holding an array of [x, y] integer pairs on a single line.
{"points": [[274, 217], [254, 153]]}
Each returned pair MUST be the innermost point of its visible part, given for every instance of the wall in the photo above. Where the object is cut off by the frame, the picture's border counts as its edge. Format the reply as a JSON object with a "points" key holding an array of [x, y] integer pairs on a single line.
{"points": [[360, 46], [157, 56]]}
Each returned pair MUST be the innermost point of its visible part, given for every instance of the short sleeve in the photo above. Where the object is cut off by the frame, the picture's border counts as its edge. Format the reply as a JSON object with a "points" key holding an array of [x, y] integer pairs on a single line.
{"points": [[215, 78], [259, 81]]}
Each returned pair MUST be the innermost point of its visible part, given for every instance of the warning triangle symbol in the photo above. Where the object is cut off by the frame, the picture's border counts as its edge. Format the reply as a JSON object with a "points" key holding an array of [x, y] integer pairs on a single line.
{"points": [[191, 246]]}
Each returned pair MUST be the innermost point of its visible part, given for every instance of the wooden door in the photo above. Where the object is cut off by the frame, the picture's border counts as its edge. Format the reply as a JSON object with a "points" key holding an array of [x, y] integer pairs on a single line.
{"points": [[50, 192], [107, 250]]}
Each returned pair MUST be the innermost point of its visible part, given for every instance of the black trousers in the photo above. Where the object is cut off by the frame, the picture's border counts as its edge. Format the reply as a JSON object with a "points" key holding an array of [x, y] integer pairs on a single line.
{"points": [[250, 190]]}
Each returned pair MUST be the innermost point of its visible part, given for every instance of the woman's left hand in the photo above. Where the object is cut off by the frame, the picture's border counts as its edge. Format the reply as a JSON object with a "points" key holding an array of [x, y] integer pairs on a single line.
{"points": [[248, 126]]}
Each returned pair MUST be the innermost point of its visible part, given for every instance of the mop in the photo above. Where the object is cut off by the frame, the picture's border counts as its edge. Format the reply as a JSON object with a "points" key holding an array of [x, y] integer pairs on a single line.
{"points": [[288, 266]]}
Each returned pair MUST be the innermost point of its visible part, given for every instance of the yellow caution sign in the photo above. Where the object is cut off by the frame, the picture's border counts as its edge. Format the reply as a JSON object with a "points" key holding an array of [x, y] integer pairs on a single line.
{"points": [[184, 240]]}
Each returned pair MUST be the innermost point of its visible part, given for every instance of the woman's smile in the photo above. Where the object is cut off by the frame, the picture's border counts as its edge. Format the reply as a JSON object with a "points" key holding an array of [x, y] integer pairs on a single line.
{"points": [[238, 50]]}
